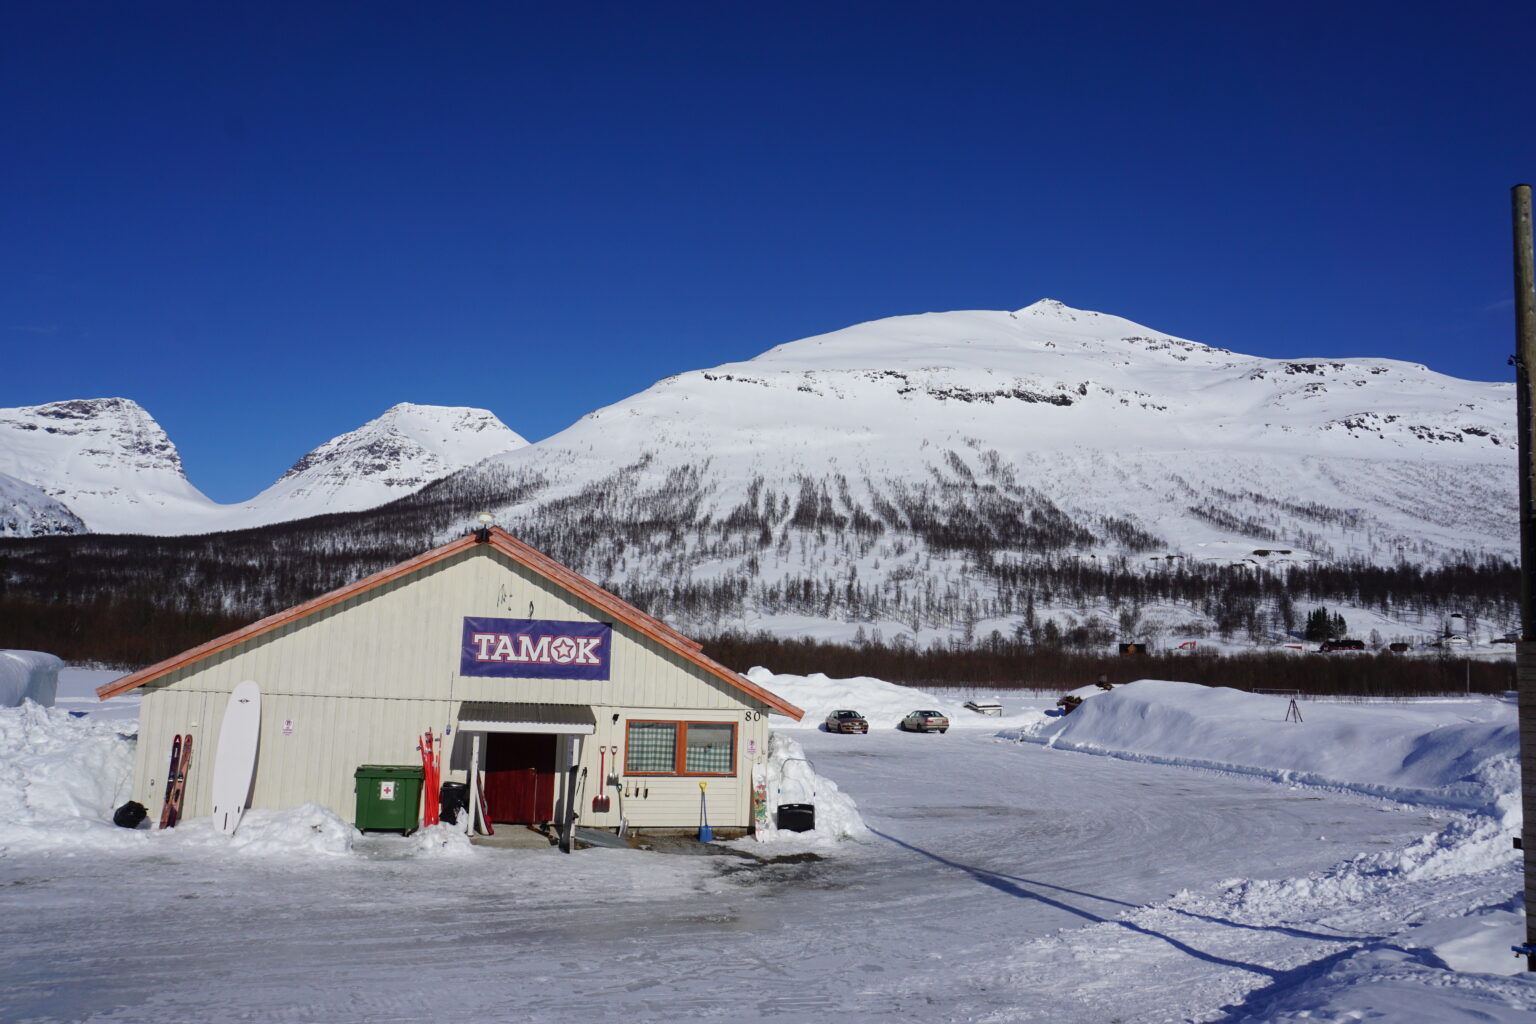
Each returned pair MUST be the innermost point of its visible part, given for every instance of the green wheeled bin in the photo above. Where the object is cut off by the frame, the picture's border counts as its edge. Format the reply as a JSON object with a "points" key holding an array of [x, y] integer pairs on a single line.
{"points": [[388, 797]]}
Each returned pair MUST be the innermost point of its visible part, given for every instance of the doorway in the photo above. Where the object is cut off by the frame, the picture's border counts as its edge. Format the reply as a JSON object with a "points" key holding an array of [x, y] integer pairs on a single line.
{"points": [[519, 777]]}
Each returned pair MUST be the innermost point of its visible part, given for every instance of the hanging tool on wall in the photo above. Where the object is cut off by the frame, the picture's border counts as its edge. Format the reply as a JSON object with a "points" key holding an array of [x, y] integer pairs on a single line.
{"points": [[623, 790], [600, 798]]}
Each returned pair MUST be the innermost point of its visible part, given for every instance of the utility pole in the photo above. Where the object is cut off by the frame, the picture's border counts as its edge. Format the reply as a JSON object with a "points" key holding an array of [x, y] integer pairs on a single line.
{"points": [[1525, 652]]}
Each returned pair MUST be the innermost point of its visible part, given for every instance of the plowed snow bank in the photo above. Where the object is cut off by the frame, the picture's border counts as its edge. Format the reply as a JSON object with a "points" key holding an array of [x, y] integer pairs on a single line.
{"points": [[1458, 753]]}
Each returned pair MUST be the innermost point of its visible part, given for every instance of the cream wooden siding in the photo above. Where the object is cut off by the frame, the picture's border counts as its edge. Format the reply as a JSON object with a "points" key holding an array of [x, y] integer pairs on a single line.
{"points": [[362, 679], [162, 716], [673, 802]]}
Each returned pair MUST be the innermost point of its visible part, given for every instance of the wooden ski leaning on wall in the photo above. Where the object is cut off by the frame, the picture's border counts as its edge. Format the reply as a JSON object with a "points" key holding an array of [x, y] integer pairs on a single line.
{"points": [[176, 785], [170, 781]]}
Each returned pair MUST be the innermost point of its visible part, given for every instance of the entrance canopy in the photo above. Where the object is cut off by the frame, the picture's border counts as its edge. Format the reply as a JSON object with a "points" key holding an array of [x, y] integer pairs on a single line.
{"points": [[497, 716]]}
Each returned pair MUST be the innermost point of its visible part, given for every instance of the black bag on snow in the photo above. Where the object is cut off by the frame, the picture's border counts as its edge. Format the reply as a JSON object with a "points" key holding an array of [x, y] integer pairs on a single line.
{"points": [[130, 815]]}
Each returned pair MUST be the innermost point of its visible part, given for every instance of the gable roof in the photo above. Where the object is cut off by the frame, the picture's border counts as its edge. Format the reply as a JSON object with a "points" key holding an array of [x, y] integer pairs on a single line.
{"points": [[498, 540]]}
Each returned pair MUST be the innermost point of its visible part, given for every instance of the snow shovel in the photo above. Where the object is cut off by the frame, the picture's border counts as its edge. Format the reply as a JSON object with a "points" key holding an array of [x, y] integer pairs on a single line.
{"points": [[706, 834], [600, 799]]}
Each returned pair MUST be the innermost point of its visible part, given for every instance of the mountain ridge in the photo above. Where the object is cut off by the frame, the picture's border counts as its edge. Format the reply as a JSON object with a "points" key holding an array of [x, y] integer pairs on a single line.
{"points": [[946, 478], [111, 467], [974, 446]]}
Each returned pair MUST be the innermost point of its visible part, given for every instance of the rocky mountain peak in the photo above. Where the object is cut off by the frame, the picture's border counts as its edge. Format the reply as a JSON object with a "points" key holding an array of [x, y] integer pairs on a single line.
{"points": [[105, 432], [408, 446]]}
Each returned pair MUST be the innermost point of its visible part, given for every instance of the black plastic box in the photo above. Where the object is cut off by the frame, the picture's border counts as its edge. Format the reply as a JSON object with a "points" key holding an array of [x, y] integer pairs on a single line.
{"points": [[797, 817]]}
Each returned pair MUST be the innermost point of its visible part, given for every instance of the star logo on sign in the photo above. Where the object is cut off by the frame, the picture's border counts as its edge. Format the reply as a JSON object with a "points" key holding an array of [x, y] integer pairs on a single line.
{"points": [[563, 650]]}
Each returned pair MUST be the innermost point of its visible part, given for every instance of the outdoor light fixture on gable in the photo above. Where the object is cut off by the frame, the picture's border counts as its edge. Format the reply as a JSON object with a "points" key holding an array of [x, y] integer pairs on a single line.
{"points": [[484, 533]]}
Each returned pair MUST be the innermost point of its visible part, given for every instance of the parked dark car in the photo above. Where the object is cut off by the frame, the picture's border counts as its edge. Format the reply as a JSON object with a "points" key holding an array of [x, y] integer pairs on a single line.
{"points": [[924, 721], [846, 721]]}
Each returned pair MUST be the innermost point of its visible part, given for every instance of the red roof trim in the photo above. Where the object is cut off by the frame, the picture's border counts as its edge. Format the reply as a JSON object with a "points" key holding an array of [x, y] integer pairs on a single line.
{"points": [[500, 540]]}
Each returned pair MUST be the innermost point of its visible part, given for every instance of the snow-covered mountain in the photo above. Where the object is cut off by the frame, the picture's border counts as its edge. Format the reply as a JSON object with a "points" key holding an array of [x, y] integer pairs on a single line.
{"points": [[399, 453], [944, 476], [105, 459], [26, 511], [905, 452], [106, 462]]}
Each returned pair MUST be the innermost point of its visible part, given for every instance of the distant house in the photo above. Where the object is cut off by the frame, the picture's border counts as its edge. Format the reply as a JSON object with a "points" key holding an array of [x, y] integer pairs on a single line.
{"points": [[1342, 645]]}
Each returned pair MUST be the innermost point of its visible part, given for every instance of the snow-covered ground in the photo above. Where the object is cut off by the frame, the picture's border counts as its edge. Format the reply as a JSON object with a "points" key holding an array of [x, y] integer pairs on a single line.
{"points": [[77, 693], [994, 880]]}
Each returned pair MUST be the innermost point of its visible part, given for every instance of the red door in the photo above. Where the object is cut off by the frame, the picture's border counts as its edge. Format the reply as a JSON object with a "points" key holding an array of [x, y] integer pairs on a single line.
{"points": [[519, 777]]}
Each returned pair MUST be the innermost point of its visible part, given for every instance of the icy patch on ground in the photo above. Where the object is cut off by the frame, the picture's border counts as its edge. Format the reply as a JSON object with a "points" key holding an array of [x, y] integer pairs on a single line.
{"points": [[1406, 936], [792, 779], [61, 777], [1459, 756]]}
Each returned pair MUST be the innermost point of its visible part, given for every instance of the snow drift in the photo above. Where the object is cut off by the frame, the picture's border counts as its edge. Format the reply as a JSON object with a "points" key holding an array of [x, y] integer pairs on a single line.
{"points": [[1459, 753], [883, 704], [792, 779], [60, 778], [28, 675]]}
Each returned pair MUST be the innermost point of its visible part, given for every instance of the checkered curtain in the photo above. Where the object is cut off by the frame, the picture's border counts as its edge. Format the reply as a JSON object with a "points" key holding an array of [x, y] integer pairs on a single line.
{"points": [[652, 747], [709, 749]]}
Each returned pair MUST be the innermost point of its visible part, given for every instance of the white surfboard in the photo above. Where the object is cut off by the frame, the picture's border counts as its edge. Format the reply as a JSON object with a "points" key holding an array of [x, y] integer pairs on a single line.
{"points": [[234, 763]]}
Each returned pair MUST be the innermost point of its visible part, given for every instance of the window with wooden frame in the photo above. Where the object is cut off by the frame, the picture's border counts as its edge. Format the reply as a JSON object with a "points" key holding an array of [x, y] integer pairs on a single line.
{"points": [[680, 748]]}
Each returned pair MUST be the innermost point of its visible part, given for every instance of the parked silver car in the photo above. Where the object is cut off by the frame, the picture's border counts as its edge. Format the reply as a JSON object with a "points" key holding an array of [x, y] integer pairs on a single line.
{"points": [[846, 721], [924, 721]]}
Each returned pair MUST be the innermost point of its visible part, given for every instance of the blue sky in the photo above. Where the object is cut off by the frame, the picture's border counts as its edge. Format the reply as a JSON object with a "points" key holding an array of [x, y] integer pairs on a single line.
{"points": [[267, 223]]}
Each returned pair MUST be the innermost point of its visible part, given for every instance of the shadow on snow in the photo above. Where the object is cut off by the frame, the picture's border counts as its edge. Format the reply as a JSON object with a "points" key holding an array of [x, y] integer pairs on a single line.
{"points": [[1014, 886]]}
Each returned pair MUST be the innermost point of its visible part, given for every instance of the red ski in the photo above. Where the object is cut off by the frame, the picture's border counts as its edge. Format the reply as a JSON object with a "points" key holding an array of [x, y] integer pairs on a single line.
{"points": [[170, 781], [429, 808], [178, 785]]}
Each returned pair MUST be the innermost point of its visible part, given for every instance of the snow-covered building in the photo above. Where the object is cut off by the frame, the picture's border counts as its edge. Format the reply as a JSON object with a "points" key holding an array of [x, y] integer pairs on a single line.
{"points": [[559, 690]]}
